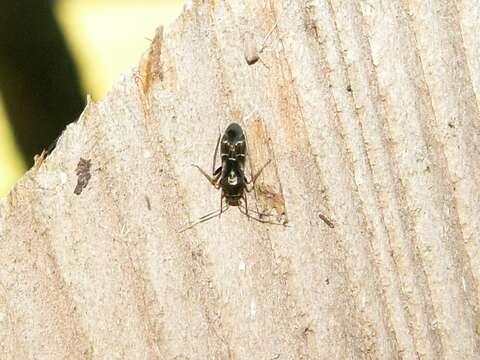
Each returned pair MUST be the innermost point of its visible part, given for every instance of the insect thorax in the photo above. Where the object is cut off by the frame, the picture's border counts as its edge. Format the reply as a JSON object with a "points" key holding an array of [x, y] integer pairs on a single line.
{"points": [[233, 143]]}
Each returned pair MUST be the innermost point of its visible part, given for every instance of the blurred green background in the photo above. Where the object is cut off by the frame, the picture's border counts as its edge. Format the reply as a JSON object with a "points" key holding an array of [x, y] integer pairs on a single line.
{"points": [[53, 53]]}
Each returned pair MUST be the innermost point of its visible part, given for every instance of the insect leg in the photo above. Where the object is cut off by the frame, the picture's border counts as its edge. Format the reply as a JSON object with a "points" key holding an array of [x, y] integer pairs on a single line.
{"points": [[246, 205], [213, 180], [266, 37], [202, 219], [254, 178], [258, 213], [215, 154], [221, 205]]}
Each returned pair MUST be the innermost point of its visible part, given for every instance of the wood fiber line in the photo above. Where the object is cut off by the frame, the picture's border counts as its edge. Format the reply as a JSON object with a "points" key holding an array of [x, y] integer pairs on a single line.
{"points": [[420, 167], [419, 262], [354, 140], [454, 127], [104, 184], [290, 302], [364, 84], [432, 136], [104, 177], [277, 279], [71, 317], [401, 224], [206, 293], [374, 322], [134, 271], [462, 43], [226, 91], [468, 12], [410, 244], [299, 140], [309, 332], [460, 190], [9, 337], [52, 303]]}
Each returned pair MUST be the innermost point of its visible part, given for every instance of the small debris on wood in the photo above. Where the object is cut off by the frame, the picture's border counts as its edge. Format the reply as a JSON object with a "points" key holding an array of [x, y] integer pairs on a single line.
{"points": [[251, 52], [326, 220], [270, 199], [147, 200], [83, 173]]}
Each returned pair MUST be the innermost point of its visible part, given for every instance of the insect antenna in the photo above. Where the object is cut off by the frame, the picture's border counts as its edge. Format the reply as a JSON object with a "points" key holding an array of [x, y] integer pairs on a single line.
{"points": [[203, 218]]}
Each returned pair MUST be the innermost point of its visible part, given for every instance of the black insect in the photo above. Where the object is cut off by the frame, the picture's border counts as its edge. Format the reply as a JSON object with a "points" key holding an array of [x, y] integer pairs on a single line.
{"points": [[230, 176]]}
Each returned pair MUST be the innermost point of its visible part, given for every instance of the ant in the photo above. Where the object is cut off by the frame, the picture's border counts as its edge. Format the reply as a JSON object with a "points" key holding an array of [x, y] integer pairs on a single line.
{"points": [[230, 176]]}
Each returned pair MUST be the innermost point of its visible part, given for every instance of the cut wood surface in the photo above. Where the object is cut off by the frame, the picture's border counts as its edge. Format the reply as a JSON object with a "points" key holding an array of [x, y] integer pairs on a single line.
{"points": [[369, 112]]}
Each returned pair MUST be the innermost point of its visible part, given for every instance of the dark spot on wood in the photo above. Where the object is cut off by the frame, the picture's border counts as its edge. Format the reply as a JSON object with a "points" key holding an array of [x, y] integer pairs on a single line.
{"points": [[147, 200], [326, 220], [83, 173], [307, 330]]}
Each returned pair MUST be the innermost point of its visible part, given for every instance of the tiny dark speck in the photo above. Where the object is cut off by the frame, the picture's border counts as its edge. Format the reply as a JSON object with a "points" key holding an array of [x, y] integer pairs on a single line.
{"points": [[326, 220], [147, 200], [349, 88]]}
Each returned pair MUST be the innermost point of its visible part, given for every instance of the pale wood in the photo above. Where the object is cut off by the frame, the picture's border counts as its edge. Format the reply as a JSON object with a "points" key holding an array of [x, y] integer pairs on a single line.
{"points": [[369, 111]]}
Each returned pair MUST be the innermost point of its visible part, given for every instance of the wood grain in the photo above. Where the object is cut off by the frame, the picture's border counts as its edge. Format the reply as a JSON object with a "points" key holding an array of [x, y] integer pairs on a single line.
{"points": [[369, 111]]}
